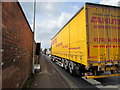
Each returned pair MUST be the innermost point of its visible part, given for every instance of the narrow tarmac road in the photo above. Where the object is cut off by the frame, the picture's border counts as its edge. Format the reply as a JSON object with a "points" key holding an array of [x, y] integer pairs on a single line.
{"points": [[53, 76]]}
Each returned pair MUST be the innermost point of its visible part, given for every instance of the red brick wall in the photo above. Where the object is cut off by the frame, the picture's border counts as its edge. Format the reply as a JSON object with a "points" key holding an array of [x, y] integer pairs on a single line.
{"points": [[16, 45]]}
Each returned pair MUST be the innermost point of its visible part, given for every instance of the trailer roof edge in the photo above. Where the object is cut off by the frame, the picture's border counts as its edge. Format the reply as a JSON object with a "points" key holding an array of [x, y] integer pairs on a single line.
{"points": [[70, 19], [87, 3]]}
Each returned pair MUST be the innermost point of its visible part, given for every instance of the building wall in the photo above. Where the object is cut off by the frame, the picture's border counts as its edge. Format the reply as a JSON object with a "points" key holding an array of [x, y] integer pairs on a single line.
{"points": [[16, 46]]}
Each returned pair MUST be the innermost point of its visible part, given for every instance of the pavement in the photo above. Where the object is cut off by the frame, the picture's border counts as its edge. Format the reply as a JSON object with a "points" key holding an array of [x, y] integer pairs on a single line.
{"points": [[48, 77]]}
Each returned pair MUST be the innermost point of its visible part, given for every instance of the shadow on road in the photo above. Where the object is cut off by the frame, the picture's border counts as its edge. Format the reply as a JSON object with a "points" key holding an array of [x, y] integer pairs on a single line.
{"points": [[108, 81]]}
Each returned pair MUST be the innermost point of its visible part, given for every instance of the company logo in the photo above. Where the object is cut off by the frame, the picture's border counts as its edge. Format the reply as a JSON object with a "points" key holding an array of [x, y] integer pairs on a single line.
{"points": [[105, 20]]}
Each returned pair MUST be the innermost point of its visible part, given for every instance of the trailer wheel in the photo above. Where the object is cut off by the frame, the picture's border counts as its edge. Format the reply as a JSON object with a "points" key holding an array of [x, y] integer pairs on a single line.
{"points": [[77, 71], [63, 63], [53, 60], [66, 65], [74, 69], [71, 71], [71, 68]]}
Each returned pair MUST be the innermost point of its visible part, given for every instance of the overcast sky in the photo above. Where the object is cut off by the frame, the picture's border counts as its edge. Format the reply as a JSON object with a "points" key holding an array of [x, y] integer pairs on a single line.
{"points": [[52, 15]]}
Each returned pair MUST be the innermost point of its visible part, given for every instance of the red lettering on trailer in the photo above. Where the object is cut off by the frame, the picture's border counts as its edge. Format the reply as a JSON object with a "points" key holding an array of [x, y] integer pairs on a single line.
{"points": [[106, 46], [75, 48], [59, 44], [106, 40], [65, 46], [93, 56], [105, 20], [54, 41], [106, 27]]}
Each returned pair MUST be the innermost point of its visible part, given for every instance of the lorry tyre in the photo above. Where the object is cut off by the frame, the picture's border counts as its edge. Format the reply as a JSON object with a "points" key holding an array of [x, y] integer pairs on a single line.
{"points": [[53, 60], [66, 65], [77, 71], [63, 63], [74, 69], [71, 69]]}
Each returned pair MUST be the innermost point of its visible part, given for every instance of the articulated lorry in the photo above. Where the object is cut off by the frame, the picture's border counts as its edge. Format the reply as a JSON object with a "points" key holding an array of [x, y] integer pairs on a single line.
{"points": [[89, 44]]}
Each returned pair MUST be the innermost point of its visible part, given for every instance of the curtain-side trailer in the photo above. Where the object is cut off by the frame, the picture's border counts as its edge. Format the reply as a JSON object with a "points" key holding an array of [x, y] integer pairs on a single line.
{"points": [[89, 44]]}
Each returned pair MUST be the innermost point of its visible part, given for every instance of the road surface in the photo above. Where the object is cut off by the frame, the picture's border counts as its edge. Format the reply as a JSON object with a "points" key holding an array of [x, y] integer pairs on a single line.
{"points": [[53, 76]]}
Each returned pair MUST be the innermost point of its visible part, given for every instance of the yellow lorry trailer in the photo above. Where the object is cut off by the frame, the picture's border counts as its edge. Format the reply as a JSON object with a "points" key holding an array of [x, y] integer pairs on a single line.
{"points": [[89, 44]]}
